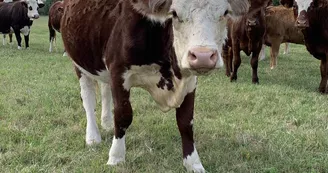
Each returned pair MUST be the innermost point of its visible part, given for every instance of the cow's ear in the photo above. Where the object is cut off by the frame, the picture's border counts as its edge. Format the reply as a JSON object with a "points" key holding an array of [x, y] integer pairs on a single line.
{"points": [[40, 4], [239, 7], [61, 9], [269, 11], [319, 3]]}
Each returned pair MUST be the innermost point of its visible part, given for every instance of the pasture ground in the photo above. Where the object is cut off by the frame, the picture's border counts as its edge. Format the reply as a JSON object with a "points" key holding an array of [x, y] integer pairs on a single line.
{"points": [[279, 125]]}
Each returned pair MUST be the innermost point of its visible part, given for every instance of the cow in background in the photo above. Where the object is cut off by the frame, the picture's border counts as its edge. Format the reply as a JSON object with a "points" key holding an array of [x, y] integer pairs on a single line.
{"points": [[55, 14], [280, 28], [245, 34], [17, 17], [312, 20]]}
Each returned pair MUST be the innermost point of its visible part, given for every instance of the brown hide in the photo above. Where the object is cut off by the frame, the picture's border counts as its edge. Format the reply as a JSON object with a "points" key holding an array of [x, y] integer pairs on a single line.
{"points": [[280, 28]]}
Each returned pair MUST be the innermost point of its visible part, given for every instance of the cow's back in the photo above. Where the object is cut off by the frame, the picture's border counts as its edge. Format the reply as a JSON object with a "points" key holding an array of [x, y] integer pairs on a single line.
{"points": [[87, 31], [280, 24], [55, 14]]}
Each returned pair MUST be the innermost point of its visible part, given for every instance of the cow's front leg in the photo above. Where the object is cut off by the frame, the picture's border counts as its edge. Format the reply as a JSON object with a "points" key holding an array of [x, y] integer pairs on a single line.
{"points": [[88, 95], [184, 116], [18, 38], [122, 118], [27, 39], [106, 102]]}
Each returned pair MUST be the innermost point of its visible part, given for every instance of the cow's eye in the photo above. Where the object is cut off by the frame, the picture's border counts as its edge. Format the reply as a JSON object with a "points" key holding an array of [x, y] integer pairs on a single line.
{"points": [[30, 8], [175, 15], [226, 12]]}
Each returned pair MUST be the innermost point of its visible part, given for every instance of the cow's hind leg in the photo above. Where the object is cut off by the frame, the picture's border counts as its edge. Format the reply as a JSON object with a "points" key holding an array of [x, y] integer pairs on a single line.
{"points": [[106, 102], [88, 95], [184, 116], [122, 118], [255, 64], [4, 39], [262, 53], [286, 51], [236, 61]]}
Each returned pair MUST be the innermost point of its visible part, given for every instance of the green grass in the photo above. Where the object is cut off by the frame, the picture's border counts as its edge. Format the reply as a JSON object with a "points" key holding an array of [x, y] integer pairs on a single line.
{"points": [[279, 126]]}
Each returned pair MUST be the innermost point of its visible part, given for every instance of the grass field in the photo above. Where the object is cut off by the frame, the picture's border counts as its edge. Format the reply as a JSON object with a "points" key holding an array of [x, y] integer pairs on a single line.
{"points": [[278, 126]]}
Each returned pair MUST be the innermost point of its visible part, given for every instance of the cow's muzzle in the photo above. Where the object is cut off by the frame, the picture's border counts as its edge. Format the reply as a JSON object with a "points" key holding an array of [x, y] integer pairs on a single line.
{"points": [[202, 59], [302, 20]]}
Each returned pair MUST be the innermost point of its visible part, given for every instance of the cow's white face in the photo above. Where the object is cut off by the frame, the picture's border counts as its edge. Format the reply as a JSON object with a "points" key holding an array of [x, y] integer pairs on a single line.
{"points": [[302, 8], [33, 7], [303, 5], [200, 30]]}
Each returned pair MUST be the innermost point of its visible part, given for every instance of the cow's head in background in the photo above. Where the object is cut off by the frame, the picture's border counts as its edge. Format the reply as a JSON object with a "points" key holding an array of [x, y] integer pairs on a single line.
{"points": [[303, 6], [33, 7], [199, 28]]}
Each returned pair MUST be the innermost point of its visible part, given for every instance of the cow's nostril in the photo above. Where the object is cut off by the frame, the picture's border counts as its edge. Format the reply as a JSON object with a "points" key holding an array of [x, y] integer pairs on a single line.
{"points": [[192, 56]]}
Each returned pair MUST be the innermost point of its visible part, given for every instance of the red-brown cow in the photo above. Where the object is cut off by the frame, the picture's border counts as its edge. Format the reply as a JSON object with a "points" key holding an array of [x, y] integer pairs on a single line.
{"points": [[245, 34], [280, 28], [130, 43], [312, 19], [56, 12]]}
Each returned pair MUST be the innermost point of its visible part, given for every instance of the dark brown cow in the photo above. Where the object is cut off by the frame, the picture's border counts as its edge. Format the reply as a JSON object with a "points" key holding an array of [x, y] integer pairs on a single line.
{"points": [[245, 34], [56, 12], [280, 28], [130, 43], [312, 19], [17, 17]]}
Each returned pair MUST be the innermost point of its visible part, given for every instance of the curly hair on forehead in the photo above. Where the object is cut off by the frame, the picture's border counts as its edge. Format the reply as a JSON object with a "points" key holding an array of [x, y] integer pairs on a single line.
{"points": [[152, 6]]}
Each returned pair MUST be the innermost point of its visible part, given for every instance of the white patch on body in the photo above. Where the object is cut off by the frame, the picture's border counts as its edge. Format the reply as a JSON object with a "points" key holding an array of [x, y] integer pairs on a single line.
{"points": [[106, 102], [117, 151], [203, 25], [262, 53], [303, 5], [89, 103], [192, 163], [25, 30], [103, 75], [148, 76]]}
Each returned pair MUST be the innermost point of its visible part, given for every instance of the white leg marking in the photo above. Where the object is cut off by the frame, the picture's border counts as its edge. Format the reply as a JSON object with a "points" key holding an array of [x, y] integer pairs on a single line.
{"points": [[4, 40], [19, 48], [193, 164], [51, 44], [106, 102], [117, 151], [262, 53], [89, 103], [286, 48], [65, 54]]}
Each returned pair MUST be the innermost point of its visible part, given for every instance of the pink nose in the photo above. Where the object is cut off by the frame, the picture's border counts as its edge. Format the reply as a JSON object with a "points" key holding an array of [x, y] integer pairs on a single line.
{"points": [[36, 16], [202, 58]]}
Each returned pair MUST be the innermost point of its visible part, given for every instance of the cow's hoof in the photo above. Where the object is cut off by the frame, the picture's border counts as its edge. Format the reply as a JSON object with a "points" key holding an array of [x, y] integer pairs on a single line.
{"points": [[93, 139], [195, 168], [65, 54], [19, 48], [115, 160], [255, 81], [272, 67], [233, 78]]}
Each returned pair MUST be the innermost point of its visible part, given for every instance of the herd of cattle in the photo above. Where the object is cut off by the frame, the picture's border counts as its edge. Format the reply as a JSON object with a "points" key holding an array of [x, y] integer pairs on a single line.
{"points": [[162, 46]]}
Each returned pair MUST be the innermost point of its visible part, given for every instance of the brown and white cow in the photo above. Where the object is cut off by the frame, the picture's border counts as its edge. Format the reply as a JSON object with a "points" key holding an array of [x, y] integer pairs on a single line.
{"points": [[280, 28], [245, 34], [17, 17], [56, 12], [130, 43], [312, 19]]}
